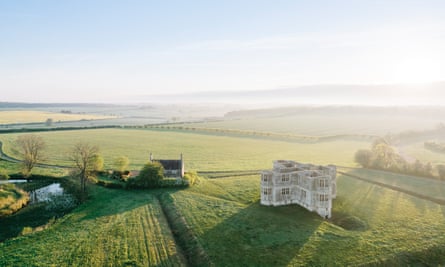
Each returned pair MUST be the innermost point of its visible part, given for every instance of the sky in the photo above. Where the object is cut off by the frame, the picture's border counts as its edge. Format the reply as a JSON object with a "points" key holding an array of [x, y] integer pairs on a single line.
{"points": [[110, 51]]}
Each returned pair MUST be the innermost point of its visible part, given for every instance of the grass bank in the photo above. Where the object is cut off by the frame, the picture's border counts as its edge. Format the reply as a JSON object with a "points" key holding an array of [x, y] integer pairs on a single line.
{"points": [[11, 199]]}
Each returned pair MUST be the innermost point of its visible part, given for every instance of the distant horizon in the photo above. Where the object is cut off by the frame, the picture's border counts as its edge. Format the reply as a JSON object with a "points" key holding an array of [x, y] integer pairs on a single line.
{"points": [[95, 51], [316, 94]]}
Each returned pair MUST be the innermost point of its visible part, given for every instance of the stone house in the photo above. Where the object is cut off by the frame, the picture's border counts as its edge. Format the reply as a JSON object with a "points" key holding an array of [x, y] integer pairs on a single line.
{"points": [[172, 167], [310, 186]]}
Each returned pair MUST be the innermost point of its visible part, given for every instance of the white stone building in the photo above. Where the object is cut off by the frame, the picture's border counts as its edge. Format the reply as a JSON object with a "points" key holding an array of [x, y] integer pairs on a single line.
{"points": [[289, 182]]}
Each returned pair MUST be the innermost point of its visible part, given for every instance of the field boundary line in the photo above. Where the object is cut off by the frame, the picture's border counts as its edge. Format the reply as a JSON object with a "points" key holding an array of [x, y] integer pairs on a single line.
{"points": [[395, 188], [184, 236]]}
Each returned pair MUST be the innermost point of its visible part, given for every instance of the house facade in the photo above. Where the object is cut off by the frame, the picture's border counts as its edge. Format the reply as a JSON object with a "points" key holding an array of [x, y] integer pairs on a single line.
{"points": [[310, 186], [172, 167]]}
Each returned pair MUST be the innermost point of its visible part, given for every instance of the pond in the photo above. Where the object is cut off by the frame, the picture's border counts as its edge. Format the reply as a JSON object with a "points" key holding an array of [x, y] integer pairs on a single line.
{"points": [[54, 197], [13, 181]]}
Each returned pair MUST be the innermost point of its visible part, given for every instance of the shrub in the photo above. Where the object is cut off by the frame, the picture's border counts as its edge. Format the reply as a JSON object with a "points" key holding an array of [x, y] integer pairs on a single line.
{"points": [[150, 176], [191, 178]]}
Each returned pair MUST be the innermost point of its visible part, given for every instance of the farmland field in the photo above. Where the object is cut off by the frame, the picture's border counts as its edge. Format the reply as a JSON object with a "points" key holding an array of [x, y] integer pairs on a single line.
{"points": [[371, 224], [115, 228], [325, 124], [29, 116], [202, 152]]}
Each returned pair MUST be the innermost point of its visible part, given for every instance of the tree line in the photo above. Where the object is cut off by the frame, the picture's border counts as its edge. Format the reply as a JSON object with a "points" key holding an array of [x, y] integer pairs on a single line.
{"points": [[384, 156], [87, 163]]}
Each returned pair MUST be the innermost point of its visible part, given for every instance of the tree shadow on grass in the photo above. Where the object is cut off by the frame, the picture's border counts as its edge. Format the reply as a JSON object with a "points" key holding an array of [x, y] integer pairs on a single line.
{"points": [[26, 220], [260, 236], [107, 202]]}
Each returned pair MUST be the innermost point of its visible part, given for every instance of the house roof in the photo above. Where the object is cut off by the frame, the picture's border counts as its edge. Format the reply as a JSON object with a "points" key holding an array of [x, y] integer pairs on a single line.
{"points": [[170, 164]]}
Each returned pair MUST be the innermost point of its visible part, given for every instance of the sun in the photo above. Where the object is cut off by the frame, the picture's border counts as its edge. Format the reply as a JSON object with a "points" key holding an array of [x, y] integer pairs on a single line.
{"points": [[417, 70], [418, 64]]}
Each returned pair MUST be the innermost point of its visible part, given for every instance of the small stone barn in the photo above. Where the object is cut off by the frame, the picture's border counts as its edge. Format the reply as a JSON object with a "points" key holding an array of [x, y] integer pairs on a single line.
{"points": [[172, 167]]}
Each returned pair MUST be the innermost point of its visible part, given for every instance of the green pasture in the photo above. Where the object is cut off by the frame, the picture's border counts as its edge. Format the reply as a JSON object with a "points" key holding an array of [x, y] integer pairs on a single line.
{"points": [[128, 228], [235, 230], [114, 228], [202, 152], [425, 186], [14, 169], [326, 124]]}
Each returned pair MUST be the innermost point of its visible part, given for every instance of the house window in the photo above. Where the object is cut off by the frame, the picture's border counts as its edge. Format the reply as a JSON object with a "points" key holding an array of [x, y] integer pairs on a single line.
{"points": [[323, 197], [267, 191], [285, 178], [265, 178], [303, 195], [285, 191], [323, 183]]}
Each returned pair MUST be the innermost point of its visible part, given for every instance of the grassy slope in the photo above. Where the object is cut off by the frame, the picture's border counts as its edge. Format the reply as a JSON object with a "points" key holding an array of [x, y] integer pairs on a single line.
{"points": [[11, 199], [201, 152], [236, 231], [114, 228]]}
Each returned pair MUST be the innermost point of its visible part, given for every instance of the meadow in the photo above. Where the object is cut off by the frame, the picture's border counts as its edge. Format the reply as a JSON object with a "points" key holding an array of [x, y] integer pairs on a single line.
{"points": [[114, 228], [202, 152], [324, 124], [235, 230], [220, 220]]}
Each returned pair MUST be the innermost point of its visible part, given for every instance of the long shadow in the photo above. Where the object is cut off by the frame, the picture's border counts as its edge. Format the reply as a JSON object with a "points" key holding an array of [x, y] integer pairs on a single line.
{"points": [[108, 202], [260, 236]]}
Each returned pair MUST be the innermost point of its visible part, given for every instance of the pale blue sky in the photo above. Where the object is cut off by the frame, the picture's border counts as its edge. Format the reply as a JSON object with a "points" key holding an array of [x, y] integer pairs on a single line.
{"points": [[101, 51]]}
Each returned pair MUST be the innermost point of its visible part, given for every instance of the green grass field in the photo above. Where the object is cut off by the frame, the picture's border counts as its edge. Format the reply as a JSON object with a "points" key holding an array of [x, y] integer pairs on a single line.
{"points": [[128, 228], [202, 152], [236, 231], [424, 186], [114, 228], [326, 124]]}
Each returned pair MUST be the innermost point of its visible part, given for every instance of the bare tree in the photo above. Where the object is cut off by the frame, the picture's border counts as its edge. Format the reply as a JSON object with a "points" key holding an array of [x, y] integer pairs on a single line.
{"points": [[84, 157], [31, 148]]}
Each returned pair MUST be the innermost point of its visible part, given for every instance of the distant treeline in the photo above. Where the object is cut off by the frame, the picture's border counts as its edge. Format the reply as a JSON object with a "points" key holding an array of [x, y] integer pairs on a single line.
{"points": [[435, 146], [383, 156], [28, 130]]}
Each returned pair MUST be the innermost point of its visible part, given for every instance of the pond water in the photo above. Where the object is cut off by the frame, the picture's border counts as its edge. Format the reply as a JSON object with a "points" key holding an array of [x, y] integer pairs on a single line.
{"points": [[13, 181], [45, 194], [53, 196]]}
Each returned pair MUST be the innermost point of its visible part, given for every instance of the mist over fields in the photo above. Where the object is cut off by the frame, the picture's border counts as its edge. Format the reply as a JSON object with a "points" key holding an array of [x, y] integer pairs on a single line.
{"points": [[372, 95]]}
